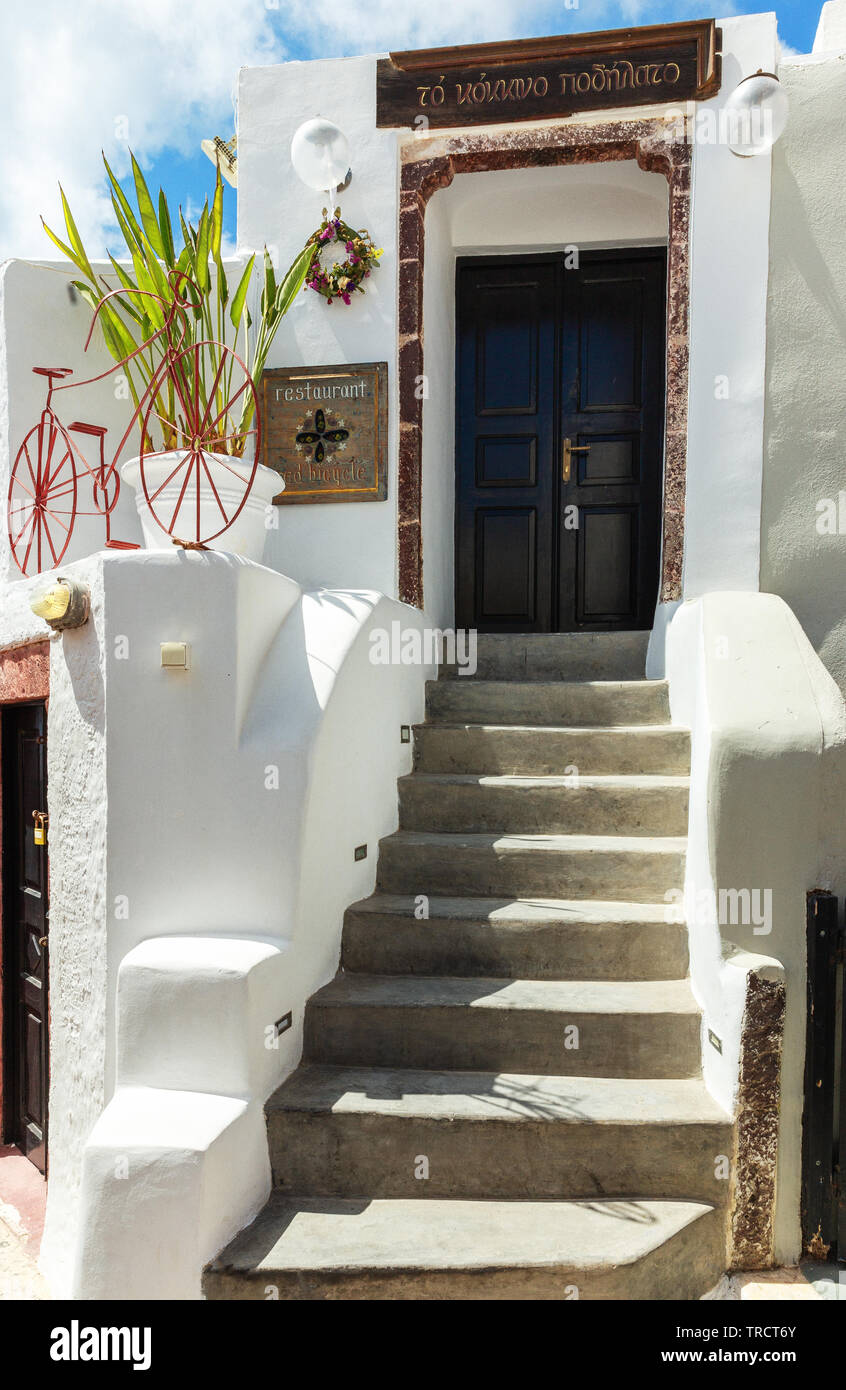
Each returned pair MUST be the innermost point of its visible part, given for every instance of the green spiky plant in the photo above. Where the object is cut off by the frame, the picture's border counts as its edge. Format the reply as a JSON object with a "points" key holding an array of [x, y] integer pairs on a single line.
{"points": [[205, 310]]}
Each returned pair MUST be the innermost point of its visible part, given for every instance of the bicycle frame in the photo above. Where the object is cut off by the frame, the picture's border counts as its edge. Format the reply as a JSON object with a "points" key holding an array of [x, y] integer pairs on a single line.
{"points": [[179, 374]]}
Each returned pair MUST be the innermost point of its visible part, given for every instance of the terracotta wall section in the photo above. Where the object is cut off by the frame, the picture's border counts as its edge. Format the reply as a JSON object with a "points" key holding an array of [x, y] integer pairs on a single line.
{"points": [[433, 163], [753, 1196], [24, 676]]}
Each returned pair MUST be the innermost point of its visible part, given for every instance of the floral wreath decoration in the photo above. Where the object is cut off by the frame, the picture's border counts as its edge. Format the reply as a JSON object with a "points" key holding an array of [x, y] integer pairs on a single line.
{"points": [[342, 279]]}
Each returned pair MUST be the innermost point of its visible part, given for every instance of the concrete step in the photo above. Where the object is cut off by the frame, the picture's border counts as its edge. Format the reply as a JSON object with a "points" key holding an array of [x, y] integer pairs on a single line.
{"points": [[537, 939], [559, 656], [623, 1029], [619, 868], [467, 701], [358, 1248], [556, 805], [337, 1131], [556, 751]]}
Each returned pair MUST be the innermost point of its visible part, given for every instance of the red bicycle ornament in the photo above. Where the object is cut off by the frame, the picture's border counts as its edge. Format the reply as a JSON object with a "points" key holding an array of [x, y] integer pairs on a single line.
{"points": [[195, 486]]}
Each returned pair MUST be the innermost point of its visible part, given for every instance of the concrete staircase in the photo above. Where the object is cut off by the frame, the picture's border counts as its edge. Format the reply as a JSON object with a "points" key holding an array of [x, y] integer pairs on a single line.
{"points": [[501, 1094]]}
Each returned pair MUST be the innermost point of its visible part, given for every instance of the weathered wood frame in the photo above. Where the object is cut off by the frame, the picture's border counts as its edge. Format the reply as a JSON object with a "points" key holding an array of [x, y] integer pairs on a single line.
{"points": [[440, 83]]}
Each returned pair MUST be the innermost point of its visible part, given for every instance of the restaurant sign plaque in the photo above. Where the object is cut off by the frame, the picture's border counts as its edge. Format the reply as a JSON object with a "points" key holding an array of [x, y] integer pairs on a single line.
{"points": [[534, 79], [325, 432]]}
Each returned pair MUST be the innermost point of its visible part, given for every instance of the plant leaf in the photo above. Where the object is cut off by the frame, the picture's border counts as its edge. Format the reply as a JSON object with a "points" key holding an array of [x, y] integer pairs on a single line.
{"points": [[146, 209], [128, 284], [268, 298], [166, 230], [133, 243], [65, 250], [189, 236], [149, 306], [294, 280], [217, 217], [156, 273], [126, 340], [128, 214], [237, 306], [120, 271], [75, 239], [111, 325], [202, 262]]}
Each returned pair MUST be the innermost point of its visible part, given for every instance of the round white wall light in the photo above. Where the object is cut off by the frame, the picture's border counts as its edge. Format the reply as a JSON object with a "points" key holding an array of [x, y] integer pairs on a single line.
{"points": [[756, 114], [61, 603], [320, 154]]}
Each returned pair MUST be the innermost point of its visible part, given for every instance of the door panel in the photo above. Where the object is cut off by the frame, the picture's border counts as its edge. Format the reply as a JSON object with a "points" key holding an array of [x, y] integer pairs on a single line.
{"points": [[607, 556], [611, 312], [507, 591], [506, 462], [505, 435], [507, 347], [544, 354], [25, 919], [612, 364], [612, 459]]}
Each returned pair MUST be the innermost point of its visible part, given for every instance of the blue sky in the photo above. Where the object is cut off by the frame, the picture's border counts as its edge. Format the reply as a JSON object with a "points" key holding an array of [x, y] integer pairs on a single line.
{"points": [[158, 76]]}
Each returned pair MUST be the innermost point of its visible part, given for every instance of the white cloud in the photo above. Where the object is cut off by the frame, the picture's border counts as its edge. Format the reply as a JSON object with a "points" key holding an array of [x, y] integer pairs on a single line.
{"points": [[347, 26], [786, 51], [97, 74]]}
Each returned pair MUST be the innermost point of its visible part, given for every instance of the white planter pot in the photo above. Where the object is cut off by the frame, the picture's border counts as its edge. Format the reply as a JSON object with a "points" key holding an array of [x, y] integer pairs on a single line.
{"points": [[247, 534]]}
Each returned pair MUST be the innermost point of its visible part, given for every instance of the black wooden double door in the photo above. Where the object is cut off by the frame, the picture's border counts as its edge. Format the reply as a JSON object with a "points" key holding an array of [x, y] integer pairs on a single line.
{"points": [[559, 440], [25, 918]]}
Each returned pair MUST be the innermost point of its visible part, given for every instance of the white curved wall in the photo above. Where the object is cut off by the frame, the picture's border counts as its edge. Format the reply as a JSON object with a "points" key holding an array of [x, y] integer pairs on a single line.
{"points": [[222, 803], [768, 783]]}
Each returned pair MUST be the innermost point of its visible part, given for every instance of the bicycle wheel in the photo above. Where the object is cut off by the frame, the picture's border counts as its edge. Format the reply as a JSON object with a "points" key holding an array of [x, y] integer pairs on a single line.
{"points": [[42, 497], [195, 492]]}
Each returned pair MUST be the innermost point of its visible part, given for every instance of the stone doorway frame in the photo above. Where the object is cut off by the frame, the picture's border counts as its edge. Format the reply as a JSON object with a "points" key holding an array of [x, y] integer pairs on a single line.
{"points": [[658, 145]]}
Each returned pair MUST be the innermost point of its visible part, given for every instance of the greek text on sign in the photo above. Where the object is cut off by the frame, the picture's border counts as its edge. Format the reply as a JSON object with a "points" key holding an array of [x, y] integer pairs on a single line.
{"points": [[531, 79], [325, 432]]}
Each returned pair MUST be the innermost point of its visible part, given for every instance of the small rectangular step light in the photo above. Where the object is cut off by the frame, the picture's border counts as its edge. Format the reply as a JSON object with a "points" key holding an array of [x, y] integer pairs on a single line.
{"points": [[715, 1041], [405, 733], [360, 852], [284, 1023], [176, 655]]}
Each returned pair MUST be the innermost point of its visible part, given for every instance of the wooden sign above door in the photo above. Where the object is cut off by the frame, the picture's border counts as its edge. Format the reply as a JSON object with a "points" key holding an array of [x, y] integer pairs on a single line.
{"points": [[533, 79]]}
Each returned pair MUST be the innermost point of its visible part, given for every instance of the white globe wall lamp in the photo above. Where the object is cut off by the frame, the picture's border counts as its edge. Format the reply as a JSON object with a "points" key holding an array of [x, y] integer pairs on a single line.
{"points": [[756, 114], [320, 154]]}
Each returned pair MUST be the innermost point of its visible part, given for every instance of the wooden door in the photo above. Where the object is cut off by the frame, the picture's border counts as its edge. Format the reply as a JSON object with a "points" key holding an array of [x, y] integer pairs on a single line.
{"points": [[505, 437], [25, 926], [612, 386], [559, 441]]}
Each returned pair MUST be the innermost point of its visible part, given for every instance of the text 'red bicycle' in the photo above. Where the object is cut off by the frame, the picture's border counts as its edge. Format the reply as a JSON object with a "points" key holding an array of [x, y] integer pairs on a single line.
{"points": [[202, 449]]}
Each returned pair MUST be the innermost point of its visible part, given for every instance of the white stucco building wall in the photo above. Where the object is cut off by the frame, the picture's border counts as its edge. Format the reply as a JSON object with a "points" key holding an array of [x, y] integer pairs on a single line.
{"points": [[354, 543], [803, 553]]}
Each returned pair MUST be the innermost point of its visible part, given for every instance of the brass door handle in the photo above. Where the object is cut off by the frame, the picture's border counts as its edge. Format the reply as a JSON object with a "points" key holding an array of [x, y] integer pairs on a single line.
{"points": [[566, 462]]}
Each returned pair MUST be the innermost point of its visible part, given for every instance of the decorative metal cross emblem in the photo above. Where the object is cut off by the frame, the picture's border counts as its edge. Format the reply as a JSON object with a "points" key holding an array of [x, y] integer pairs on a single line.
{"points": [[321, 435]]}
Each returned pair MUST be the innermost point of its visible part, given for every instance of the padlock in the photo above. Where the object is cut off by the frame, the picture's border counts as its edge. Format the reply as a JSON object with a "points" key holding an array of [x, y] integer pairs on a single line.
{"points": [[40, 818]]}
